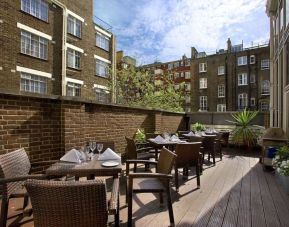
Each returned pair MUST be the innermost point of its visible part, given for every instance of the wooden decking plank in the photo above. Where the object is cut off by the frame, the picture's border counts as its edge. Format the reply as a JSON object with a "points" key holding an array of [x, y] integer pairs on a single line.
{"points": [[270, 213], [257, 211]]}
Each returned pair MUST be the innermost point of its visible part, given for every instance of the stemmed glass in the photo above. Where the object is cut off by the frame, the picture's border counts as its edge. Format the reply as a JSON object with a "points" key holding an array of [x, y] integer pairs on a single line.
{"points": [[92, 146], [99, 148]]}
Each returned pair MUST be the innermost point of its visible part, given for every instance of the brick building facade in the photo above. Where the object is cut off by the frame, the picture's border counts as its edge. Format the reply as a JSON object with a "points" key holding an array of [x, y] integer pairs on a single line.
{"points": [[54, 47]]}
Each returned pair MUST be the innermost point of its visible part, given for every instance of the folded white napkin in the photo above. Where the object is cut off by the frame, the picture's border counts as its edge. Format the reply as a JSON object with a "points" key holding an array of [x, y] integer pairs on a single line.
{"points": [[159, 139], [174, 138], [203, 134], [109, 154], [191, 133], [72, 156]]}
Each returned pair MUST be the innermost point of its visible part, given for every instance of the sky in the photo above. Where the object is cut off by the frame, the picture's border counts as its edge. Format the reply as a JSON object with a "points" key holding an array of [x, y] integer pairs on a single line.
{"points": [[165, 30]]}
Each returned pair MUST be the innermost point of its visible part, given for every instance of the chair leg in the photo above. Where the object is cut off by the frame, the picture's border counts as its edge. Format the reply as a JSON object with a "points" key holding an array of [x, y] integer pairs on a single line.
{"points": [[147, 167], [198, 175], [134, 168], [170, 207], [4, 211], [221, 155], [129, 209], [176, 179], [214, 158], [161, 199], [25, 201], [116, 216]]}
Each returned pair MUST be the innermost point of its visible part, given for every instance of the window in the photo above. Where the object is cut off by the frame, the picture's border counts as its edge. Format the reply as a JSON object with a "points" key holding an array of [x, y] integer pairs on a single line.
{"points": [[252, 59], [242, 101], [187, 86], [265, 64], [264, 106], [181, 63], [33, 83], [101, 68], [242, 60], [34, 45], [203, 83], [73, 58], [176, 75], [265, 87], [188, 99], [170, 65], [73, 26], [253, 102], [202, 67], [203, 103], [176, 64], [221, 91], [73, 89], [187, 75], [102, 95], [36, 8], [102, 41], [221, 107], [221, 70], [242, 79], [177, 86], [182, 74], [252, 78], [188, 63]]}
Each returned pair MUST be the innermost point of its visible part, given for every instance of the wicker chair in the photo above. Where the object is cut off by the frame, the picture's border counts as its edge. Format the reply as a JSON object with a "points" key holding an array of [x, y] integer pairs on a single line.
{"points": [[158, 182], [134, 153], [14, 169], [188, 154], [209, 147], [72, 203]]}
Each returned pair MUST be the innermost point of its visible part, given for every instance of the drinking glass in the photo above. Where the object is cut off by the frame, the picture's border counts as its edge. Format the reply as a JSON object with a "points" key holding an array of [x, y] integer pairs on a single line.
{"points": [[99, 148], [92, 146]]}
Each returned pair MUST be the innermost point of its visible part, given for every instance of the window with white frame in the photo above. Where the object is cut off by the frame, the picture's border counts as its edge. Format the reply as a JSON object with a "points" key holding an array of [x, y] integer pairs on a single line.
{"points": [[187, 75], [182, 74], [170, 65], [176, 75], [181, 63], [102, 41], [221, 107], [171, 76], [36, 8], [203, 103], [73, 26], [221, 70], [253, 102], [188, 99], [203, 83], [73, 89], [73, 58], [265, 87], [176, 64], [34, 45], [33, 83], [252, 59], [265, 64], [242, 101], [202, 67], [264, 106], [101, 68], [187, 86], [242, 60], [242, 79], [252, 78], [221, 90], [102, 95]]}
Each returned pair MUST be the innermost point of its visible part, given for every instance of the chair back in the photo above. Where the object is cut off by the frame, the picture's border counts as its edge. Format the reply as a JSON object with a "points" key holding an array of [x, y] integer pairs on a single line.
{"points": [[166, 161], [187, 154], [131, 148], [208, 142], [195, 139], [13, 164], [107, 144], [68, 203]]}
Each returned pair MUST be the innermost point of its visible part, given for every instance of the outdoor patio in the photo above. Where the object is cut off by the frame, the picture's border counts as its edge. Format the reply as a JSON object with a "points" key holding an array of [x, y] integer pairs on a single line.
{"points": [[235, 192]]}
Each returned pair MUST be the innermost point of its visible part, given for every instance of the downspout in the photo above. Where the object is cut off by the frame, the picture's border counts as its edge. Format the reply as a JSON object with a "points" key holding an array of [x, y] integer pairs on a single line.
{"points": [[64, 32]]}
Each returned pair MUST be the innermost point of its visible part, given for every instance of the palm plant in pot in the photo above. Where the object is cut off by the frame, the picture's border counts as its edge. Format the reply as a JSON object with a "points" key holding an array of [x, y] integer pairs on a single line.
{"points": [[244, 133]]}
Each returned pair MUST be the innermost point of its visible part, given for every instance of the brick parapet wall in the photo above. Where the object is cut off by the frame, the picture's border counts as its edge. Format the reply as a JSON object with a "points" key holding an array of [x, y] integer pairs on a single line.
{"points": [[47, 126]]}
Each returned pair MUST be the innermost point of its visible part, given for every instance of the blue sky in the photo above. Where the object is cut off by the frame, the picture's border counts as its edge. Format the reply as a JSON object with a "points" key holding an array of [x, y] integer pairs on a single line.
{"points": [[164, 30]]}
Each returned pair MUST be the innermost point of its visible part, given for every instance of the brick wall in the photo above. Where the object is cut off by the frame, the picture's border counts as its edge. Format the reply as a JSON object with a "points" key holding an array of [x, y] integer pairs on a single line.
{"points": [[48, 126]]}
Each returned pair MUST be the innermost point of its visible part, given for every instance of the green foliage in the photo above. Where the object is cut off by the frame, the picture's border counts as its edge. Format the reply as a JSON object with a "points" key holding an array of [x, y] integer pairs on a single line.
{"points": [[281, 160], [140, 136], [137, 88], [244, 132], [198, 127]]}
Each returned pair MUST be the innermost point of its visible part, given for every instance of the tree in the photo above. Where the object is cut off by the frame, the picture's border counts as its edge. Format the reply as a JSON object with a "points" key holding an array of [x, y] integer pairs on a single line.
{"points": [[139, 88]]}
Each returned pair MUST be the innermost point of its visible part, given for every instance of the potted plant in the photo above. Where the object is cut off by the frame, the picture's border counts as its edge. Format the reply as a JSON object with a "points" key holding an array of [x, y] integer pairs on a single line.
{"points": [[198, 127], [281, 163], [140, 136]]}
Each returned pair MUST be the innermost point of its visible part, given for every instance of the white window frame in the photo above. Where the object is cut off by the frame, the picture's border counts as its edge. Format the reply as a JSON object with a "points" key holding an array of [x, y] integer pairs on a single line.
{"points": [[74, 26], [33, 83], [188, 99], [252, 78], [221, 107], [182, 74], [221, 91], [242, 60], [177, 75], [36, 8], [242, 101], [102, 41], [73, 58], [203, 67], [221, 70], [242, 79], [187, 75], [170, 66], [203, 83], [203, 103], [73, 89], [265, 64], [252, 59], [187, 86], [265, 87], [101, 68]]}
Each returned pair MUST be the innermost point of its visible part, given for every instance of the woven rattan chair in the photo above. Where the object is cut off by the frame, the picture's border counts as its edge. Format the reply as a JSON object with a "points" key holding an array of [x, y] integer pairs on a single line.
{"points": [[14, 169], [158, 182], [72, 203], [208, 146], [134, 153], [188, 155]]}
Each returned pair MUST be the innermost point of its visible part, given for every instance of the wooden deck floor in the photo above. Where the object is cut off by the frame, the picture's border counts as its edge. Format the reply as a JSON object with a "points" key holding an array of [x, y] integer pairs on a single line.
{"points": [[235, 192]]}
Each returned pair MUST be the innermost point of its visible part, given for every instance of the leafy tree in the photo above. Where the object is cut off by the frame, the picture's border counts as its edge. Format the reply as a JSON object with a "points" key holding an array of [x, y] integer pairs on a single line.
{"points": [[139, 88]]}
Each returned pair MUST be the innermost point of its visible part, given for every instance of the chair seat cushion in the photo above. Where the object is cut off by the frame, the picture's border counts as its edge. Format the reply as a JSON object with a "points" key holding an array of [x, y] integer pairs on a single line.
{"points": [[147, 184], [145, 155]]}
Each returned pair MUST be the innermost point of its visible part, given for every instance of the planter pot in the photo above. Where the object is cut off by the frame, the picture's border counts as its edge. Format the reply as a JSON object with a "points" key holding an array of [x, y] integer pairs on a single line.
{"points": [[284, 181]]}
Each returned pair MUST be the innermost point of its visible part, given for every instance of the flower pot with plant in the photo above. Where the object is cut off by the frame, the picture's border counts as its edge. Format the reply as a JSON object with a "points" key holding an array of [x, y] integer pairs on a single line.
{"points": [[198, 127]]}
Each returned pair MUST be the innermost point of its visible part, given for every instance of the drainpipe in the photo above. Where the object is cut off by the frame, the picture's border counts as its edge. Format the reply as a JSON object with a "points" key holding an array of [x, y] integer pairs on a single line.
{"points": [[64, 32]]}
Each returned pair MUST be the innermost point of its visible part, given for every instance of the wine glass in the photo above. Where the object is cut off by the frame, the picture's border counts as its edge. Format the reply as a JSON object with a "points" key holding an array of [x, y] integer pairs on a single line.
{"points": [[99, 148], [92, 146]]}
